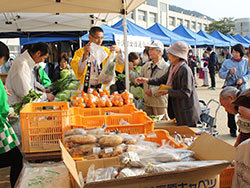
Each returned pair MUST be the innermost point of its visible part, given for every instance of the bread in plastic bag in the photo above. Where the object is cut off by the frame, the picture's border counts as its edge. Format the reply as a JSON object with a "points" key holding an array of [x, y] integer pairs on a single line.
{"points": [[110, 140], [101, 174], [80, 139], [82, 150], [77, 131], [97, 132]]}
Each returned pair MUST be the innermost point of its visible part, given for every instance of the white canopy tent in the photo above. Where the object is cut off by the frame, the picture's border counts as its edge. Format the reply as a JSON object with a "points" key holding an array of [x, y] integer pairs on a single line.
{"points": [[64, 15]]}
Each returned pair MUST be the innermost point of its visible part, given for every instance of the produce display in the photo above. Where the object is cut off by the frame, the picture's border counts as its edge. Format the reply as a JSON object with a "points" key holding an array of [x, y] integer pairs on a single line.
{"points": [[101, 98], [30, 97], [65, 87]]}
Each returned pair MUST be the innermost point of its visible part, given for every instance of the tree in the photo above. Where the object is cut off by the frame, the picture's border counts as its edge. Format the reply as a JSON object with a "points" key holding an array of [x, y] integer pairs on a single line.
{"points": [[224, 25]]}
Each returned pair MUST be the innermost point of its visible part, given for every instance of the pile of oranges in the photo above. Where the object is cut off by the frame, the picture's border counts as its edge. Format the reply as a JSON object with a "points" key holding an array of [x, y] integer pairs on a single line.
{"points": [[101, 98]]}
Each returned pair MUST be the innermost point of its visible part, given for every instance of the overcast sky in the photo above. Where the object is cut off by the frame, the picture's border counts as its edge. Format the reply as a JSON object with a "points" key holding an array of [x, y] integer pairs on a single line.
{"points": [[216, 8]]}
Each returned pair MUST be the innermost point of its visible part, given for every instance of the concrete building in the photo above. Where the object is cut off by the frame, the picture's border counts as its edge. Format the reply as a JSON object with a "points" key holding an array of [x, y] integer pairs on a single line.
{"points": [[13, 45], [169, 16], [242, 26]]}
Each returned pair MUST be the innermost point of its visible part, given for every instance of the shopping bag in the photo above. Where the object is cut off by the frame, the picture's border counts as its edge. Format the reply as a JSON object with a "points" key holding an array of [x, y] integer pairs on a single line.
{"points": [[107, 76], [201, 74]]}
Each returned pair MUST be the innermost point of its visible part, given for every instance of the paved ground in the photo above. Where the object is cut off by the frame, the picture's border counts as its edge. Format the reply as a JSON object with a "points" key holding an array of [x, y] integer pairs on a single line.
{"points": [[203, 94]]}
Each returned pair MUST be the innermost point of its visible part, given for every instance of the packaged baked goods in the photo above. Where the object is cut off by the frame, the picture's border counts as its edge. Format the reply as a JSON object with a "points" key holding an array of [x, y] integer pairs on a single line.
{"points": [[77, 131], [110, 140], [80, 139]]}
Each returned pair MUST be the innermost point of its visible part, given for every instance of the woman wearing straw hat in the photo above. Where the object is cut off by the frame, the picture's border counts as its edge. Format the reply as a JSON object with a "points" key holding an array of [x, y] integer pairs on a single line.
{"points": [[183, 103]]}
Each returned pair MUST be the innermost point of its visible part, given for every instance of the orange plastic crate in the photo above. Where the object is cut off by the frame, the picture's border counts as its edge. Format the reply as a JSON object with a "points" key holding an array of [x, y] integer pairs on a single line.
{"points": [[42, 124], [161, 135], [126, 109], [226, 177], [140, 123]]}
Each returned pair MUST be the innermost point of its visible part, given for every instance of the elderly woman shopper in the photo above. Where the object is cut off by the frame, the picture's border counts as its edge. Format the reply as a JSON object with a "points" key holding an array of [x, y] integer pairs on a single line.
{"points": [[236, 73], [10, 155], [183, 103]]}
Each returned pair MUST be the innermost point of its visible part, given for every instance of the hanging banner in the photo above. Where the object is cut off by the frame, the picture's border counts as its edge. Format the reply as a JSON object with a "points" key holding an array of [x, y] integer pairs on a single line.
{"points": [[135, 43]]}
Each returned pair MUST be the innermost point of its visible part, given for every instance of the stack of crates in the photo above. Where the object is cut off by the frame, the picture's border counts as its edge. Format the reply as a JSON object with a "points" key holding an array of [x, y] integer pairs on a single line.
{"points": [[42, 125]]}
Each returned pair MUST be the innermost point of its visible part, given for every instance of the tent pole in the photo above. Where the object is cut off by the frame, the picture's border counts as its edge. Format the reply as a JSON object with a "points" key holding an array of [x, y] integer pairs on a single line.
{"points": [[80, 41], [126, 51]]}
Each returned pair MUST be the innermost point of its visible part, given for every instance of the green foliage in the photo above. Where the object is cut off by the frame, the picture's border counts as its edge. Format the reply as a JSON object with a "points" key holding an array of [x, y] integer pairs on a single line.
{"points": [[30, 97], [224, 25]]}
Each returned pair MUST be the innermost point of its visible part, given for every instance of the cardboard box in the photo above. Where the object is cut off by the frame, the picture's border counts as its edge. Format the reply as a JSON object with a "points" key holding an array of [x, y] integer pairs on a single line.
{"points": [[163, 123], [182, 130], [204, 148]]}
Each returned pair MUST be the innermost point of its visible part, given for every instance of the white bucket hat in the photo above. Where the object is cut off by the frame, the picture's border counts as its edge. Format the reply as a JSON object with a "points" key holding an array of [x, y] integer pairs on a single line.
{"points": [[179, 49]]}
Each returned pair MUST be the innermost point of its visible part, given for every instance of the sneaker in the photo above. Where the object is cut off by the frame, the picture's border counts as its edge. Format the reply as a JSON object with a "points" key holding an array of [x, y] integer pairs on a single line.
{"points": [[204, 85], [212, 88]]}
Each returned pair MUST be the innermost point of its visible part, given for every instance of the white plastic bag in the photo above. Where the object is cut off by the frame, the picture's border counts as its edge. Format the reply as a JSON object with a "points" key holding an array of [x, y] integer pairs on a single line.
{"points": [[107, 76]]}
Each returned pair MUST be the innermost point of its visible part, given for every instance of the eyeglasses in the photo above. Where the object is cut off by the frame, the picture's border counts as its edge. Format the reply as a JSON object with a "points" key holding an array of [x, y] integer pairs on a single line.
{"points": [[97, 38]]}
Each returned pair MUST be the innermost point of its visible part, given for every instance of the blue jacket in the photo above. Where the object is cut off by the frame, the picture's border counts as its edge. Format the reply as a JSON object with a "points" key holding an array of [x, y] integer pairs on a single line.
{"points": [[242, 69]]}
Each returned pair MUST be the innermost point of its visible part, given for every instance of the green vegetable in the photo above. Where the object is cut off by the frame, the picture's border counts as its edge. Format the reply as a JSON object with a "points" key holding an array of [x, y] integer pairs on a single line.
{"points": [[30, 97], [137, 68], [121, 77], [61, 84], [157, 118], [64, 73], [73, 86], [137, 92]]}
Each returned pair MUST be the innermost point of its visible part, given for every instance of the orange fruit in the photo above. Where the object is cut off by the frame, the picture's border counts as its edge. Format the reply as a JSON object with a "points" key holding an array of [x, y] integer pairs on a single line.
{"points": [[75, 103], [108, 103], [82, 105], [80, 100], [95, 93], [86, 99], [120, 104], [92, 105]]}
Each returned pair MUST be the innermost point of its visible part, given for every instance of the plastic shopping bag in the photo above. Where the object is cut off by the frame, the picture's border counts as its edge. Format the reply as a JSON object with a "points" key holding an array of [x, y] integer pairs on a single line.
{"points": [[107, 76]]}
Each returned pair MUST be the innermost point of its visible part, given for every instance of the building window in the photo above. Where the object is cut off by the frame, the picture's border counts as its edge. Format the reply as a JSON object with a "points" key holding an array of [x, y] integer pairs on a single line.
{"points": [[163, 7], [199, 26], [179, 21], [152, 17], [142, 15], [171, 21], [193, 25], [187, 23], [205, 27], [152, 2], [132, 15]]}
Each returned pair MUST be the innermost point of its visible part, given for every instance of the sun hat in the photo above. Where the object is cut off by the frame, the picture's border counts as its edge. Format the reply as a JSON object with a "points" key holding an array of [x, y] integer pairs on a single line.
{"points": [[179, 49], [156, 44]]}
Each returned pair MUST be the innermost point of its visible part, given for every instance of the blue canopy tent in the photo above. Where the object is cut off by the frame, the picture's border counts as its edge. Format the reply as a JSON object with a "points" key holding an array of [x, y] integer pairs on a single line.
{"points": [[217, 42], [198, 40], [108, 33], [161, 30], [33, 40], [242, 40], [230, 36], [223, 37], [136, 30], [246, 37]]}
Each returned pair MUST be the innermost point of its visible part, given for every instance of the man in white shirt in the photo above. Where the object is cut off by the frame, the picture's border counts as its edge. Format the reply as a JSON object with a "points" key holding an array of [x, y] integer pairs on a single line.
{"points": [[21, 76]]}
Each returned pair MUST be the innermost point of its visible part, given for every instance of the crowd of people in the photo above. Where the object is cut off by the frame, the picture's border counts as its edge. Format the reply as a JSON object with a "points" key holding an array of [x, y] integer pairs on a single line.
{"points": [[167, 78]]}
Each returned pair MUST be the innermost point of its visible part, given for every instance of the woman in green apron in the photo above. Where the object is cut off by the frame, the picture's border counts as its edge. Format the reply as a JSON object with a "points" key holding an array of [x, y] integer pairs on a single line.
{"points": [[10, 155]]}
